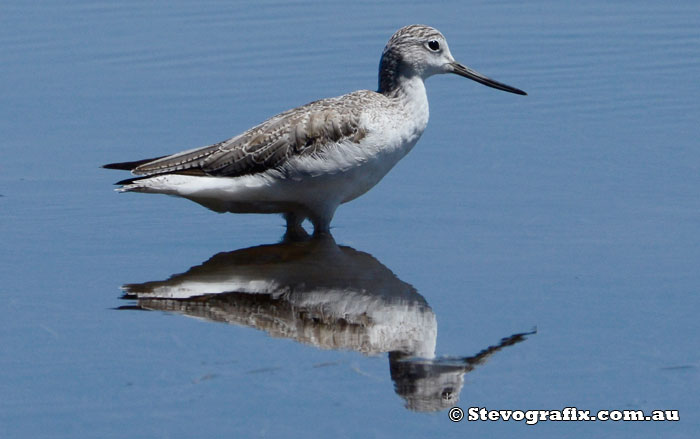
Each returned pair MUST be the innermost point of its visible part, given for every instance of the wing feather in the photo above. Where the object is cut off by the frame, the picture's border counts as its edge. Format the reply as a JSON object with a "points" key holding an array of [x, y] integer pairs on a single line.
{"points": [[304, 130]]}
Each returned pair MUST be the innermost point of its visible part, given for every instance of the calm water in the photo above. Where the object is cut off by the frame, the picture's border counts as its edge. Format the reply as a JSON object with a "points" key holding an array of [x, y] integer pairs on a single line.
{"points": [[575, 211]]}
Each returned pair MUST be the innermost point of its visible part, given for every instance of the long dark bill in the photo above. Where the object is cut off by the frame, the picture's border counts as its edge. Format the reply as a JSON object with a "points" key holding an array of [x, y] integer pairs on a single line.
{"points": [[461, 70]]}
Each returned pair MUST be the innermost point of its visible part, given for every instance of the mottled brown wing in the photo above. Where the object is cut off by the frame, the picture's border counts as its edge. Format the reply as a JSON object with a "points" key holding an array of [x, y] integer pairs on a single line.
{"points": [[303, 130]]}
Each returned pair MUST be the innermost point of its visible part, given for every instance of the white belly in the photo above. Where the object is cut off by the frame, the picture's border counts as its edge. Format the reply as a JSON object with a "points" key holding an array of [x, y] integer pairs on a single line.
{"points": [[305, 184]]}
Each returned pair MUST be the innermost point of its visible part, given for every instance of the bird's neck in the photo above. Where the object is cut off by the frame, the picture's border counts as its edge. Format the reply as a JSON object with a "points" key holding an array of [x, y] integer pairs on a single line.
{"points": [[410, 93]]}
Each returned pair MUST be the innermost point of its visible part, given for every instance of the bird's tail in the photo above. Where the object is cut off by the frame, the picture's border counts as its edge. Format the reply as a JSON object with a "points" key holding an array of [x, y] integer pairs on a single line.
{"points": [[130, 166]]}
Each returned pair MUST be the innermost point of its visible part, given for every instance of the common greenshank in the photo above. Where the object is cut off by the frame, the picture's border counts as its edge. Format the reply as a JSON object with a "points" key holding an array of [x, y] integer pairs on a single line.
{"points": [[305, 162]]}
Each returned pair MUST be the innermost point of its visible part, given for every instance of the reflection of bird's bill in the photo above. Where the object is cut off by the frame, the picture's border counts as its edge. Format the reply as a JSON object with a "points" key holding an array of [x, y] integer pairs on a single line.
{"points": [[505, 341], [464, 364], [466, 72]]}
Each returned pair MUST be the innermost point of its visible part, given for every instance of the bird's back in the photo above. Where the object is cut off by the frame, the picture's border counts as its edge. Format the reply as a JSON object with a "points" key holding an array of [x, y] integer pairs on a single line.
{"points": [[310, 129]]}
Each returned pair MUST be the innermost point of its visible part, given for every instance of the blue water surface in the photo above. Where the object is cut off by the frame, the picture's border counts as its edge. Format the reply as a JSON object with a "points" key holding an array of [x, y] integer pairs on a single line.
{"points": [[574, 211]]}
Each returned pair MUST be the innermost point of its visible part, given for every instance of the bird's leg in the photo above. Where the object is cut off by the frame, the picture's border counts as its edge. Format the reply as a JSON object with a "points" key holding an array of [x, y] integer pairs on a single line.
{"points": [[295, 231], [322, 220]]}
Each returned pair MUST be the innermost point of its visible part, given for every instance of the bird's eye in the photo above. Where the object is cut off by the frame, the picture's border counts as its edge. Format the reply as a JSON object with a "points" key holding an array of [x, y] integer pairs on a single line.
{"points": [[434, 45]]}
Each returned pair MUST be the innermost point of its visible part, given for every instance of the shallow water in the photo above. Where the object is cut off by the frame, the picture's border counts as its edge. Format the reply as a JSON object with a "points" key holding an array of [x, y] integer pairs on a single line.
{"points": [[573, 210]]}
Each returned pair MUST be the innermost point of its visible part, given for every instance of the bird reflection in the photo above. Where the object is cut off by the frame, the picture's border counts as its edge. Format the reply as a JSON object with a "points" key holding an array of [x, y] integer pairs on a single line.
{"points": [[328, 296]]}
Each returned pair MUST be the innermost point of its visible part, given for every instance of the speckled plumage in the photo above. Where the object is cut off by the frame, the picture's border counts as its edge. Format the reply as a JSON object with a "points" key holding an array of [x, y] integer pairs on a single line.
{"points": [[300, 131], [307, 161]]}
